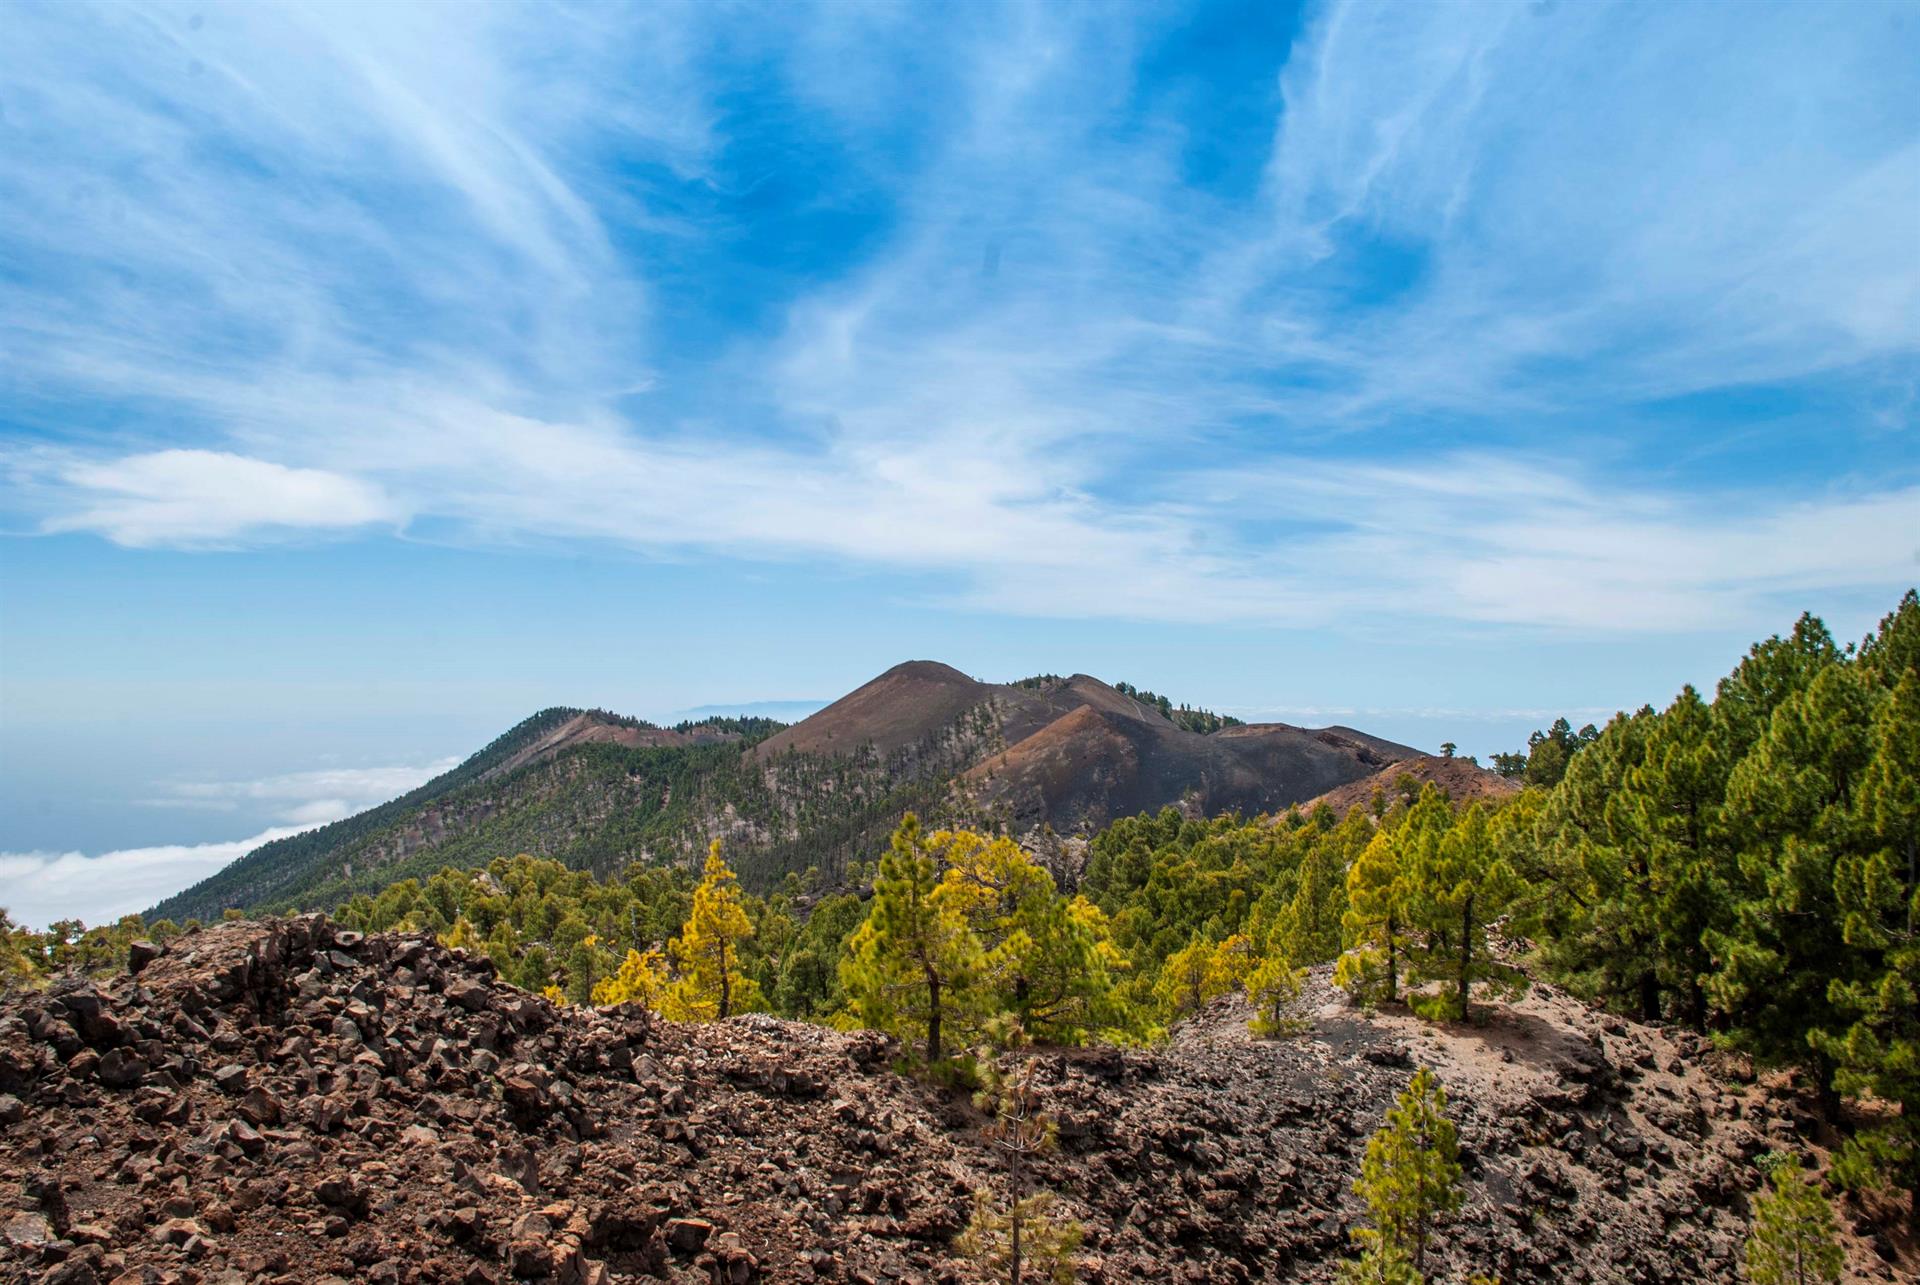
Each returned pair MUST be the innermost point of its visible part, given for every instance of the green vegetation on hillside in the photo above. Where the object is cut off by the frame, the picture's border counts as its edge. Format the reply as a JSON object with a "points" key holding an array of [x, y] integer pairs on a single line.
{"points": [[256, 879]]}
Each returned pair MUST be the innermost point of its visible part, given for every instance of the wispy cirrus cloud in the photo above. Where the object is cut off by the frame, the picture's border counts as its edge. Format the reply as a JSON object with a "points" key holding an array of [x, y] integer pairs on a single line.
{"points": [[451, 279], [186, 497]]}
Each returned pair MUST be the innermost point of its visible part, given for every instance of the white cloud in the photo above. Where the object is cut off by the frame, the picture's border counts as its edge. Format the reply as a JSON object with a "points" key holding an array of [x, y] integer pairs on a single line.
{"points": [[188, 497], [44, 886], [303, 798], [337, 786]]}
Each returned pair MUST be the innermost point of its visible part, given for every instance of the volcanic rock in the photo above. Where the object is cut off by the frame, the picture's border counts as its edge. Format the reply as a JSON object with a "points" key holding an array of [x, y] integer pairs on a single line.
{"points": [[403, 1117]]}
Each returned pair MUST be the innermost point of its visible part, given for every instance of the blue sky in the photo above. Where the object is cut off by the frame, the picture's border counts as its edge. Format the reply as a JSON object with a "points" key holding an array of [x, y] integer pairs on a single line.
{"points": [[371, 376]]}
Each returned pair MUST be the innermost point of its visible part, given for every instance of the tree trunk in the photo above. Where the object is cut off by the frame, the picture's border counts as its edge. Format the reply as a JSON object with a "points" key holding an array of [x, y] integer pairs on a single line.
{"points": [[726, 985], [1466, 955], [933, 1017], [1828, 1096], [1649, 997], [1393, 971], [1013, 1231], [1913, 874]]}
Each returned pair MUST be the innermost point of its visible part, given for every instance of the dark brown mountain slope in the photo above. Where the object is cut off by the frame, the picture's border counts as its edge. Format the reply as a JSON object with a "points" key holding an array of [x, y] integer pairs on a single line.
{"points": [[288, 1103], [1076, 752], [909, 702]]}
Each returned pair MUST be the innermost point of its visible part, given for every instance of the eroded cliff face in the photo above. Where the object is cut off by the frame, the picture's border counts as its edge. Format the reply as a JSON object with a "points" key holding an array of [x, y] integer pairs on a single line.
{"points": [[287, 1101]]}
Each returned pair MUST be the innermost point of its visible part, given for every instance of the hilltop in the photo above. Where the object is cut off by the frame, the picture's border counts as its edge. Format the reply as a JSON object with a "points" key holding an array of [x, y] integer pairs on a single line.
{"points": [[601, 792], [1463, 781], [289, 1101]]}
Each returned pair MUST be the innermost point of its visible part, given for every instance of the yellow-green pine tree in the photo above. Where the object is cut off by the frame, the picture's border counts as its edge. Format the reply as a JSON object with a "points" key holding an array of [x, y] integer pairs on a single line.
{"points": [[463, 936], [1373, 924], [711, 984], [1026, 1239], [1188, 979], [1272, 988], [641, 979], [1045, 958], [1234, 961], [1454, 888]]}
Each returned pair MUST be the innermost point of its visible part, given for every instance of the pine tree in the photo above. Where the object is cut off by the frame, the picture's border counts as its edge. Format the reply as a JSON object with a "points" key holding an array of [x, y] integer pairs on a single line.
{"points": [[463, 936], [1790, 804], [1374, 924], [1893, 650], [1410, 1178], [806, 981], [1380, 1264], [1794, 1237], [1454, 888], [1272, 988], [1188, 979], [1878, 891], [1309, 927], [1590, 901], [641, 979], [17, 961], [1234, 961], [707, 953], [912, 965], [1045, 958], [1027, 1236], [1772, 672], [535, 972], [1672, 806], [586, 965]]}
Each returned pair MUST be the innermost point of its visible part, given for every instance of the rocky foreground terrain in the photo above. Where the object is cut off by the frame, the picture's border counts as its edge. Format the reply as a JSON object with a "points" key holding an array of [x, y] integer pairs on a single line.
{"points": [[288, 1101]]}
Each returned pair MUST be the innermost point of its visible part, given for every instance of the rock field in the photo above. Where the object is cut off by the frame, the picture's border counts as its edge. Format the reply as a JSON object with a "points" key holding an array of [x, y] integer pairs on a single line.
{"points": [[286, 1101]]}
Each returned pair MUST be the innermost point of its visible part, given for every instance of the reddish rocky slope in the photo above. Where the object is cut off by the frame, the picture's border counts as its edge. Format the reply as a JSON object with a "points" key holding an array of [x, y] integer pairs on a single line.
{"points": [[1463, 781]]}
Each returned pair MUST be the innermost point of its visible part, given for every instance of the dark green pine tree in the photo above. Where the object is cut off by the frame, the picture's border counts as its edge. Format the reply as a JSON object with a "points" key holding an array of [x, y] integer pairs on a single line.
{"points": [[1589, 904], [1878, 891], [1455, 888], [1673, 802], [1894, 648], [1790, 808], [1309, 925], [1771, 672]]}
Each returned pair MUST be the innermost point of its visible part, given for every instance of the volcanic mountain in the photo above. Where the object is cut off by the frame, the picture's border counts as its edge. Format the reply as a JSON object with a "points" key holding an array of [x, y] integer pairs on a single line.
{"points": [[1077, 752], [601, 791]]}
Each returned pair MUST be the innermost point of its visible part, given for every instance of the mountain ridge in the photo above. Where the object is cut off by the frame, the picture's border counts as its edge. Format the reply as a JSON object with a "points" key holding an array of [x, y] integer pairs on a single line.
{"points": [[601, 790]]}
